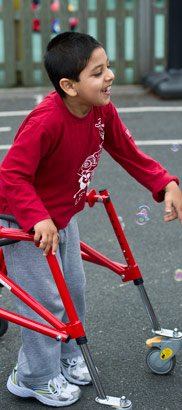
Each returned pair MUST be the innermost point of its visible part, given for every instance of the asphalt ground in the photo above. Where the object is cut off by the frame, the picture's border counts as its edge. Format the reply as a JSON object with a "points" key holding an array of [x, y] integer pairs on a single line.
{"points": [[117, 325]]}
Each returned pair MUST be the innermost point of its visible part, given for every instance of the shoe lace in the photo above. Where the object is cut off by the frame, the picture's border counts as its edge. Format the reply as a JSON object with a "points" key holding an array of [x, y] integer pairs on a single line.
{"points": [[55, 385], [75, 360]]}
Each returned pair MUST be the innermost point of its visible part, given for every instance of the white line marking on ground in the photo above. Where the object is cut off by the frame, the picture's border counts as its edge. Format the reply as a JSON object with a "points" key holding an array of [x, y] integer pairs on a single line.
{"points": [[120, 110], [159, 142], [14, 113], [149, 109], [4, 147], [139, 142], [5, 129]]}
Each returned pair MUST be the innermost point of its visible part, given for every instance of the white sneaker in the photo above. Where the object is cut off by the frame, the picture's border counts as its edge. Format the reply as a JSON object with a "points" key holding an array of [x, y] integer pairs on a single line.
{"points": [[75, 370], [57, 392]]}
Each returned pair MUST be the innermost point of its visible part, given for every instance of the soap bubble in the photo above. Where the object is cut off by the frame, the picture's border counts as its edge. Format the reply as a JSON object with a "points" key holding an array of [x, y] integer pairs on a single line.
{"points": [[121, 222], [178, 275], [142, 215], [174, 147]]}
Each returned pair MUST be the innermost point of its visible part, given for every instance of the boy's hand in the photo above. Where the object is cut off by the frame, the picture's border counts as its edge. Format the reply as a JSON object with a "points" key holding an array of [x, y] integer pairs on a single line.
{"points": [[46, 232], [173, 202]]}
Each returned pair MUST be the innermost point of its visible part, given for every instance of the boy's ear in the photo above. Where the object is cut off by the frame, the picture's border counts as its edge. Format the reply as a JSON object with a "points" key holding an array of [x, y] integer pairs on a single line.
{"points": [[68, 86]]}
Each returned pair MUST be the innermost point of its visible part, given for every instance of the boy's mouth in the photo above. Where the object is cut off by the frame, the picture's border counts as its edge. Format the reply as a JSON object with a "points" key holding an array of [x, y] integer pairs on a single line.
{"points": [[107, 90]]}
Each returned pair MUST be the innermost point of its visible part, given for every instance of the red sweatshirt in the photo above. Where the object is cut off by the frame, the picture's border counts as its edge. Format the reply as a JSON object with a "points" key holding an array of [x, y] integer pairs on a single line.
{"points": [[48, 169]]}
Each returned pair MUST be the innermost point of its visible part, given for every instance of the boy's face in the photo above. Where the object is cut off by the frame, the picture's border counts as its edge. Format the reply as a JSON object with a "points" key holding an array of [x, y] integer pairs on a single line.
{"points": [[95, 81]]}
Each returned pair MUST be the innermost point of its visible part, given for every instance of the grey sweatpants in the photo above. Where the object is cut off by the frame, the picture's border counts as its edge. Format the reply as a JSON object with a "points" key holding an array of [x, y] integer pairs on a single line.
{"points": [[39, 355]]}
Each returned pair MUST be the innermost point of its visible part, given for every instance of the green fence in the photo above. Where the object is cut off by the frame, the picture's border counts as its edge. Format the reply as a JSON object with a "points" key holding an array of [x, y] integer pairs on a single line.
{"points": [[132, 31]]}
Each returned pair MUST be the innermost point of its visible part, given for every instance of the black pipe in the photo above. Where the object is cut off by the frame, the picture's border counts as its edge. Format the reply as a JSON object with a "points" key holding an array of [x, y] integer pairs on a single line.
{"points": [[175, 35]]}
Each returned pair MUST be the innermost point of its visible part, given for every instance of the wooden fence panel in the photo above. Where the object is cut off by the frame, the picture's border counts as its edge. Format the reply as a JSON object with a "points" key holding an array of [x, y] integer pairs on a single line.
{"points": [[132, 31], [159, 14], [152, 39], [7, 44]]}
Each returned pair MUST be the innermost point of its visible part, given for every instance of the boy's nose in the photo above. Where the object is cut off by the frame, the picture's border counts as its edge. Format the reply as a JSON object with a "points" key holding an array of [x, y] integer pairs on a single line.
{"points": [[110, 75]]}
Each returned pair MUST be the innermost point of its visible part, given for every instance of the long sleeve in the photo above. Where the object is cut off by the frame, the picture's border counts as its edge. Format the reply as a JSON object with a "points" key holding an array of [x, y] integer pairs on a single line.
{"points": [[18, 172], [121, 146], [48, 169]]}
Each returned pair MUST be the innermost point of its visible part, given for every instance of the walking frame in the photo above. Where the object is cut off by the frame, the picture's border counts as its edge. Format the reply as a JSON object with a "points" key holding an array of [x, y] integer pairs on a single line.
{"points": [[163, 346]]}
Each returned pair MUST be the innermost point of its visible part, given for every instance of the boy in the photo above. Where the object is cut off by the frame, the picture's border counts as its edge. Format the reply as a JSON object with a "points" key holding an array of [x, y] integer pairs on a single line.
{"points": [[44, 180]]}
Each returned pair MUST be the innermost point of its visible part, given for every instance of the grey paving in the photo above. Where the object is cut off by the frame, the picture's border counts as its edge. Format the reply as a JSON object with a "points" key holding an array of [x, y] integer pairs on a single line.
{"points": [[117, 325]]}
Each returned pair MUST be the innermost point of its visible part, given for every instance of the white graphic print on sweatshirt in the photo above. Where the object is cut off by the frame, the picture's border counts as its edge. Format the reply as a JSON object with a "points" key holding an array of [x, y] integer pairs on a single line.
{"points": [[87, 169]]}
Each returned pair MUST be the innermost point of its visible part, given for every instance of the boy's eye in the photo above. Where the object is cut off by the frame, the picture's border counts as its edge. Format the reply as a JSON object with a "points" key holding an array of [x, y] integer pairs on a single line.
{"points": [[98, 74]]}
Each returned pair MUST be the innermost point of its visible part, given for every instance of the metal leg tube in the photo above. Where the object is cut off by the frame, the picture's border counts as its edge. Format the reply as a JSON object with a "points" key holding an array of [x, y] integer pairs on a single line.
{"points": [[115, 402], [93, 371], [148, 307]]}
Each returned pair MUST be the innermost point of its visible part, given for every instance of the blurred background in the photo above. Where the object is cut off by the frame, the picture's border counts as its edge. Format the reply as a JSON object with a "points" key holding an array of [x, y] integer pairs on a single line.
{"points": [[134, 33], [143, 41]]}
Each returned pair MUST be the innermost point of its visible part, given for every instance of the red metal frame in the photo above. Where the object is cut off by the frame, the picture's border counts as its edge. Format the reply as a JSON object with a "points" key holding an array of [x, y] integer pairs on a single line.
{"points": [[128, 272], [74, 328]]}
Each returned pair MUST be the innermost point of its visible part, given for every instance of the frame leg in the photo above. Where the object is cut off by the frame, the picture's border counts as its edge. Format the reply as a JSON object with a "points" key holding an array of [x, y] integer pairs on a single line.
{"points": [[148, 306], [92, 369], [114, 402]]}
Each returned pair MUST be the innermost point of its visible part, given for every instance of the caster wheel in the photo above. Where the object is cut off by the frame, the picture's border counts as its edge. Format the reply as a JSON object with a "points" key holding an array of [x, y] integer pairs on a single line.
{"points": [[3, 326], [159, 367]]}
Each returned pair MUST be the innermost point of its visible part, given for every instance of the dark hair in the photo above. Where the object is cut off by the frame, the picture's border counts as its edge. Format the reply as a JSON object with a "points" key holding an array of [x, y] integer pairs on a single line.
{"points": [[67, 55]]}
